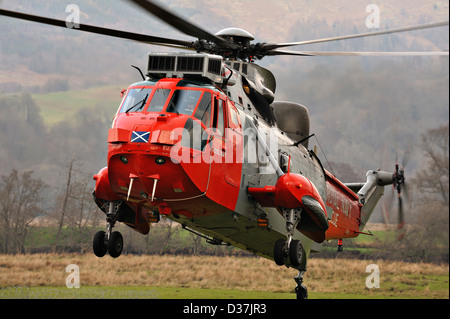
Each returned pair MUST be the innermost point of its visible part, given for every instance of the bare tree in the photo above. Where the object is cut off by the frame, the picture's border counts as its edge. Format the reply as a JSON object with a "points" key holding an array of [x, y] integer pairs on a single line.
{"points": [[76, 211], [434, 178], [20, 198], [170, 229], [430, 236], [196, 243], [65, 199]]}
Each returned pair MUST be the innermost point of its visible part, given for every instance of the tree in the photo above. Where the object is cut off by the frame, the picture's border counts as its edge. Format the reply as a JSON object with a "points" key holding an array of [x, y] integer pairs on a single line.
{"points": [[430, 236], [434, 178], [75, 211], [65, 199], [20, 198]]}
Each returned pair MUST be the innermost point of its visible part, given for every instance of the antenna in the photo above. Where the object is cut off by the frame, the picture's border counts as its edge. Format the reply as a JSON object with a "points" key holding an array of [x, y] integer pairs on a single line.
{"points": [[302, 140], [142, 74], [289, 165]]}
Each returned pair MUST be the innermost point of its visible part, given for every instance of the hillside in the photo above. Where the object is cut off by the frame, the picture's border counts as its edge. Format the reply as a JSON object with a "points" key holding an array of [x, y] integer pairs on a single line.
{"points": [[32, 54]]}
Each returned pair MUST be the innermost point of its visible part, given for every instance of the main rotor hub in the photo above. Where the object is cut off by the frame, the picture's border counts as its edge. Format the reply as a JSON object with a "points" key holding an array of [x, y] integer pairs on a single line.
{"points": [[240, 47], [236, 34]]}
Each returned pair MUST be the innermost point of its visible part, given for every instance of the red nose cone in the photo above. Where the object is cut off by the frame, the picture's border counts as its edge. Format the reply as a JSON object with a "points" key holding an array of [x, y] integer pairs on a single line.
{"points": [[290, 188], [296, 191]]}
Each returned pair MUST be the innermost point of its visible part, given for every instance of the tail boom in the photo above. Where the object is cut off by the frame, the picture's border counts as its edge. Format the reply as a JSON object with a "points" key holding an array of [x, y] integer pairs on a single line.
{"points": [[343, 210]]}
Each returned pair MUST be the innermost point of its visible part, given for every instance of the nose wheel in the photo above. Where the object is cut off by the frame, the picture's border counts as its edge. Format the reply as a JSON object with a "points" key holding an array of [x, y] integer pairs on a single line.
{"points": [[109, 241]]}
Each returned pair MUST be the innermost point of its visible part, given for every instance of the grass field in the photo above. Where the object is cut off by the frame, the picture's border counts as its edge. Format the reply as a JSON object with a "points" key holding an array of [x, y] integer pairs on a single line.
{"points": [[59, 106], [191, 277]]}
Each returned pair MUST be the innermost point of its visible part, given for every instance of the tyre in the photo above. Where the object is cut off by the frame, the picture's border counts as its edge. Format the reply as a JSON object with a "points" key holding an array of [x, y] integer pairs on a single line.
{"points": [[296, 253], [279, 252], [99, 245], [115, 244], [302, 292]]}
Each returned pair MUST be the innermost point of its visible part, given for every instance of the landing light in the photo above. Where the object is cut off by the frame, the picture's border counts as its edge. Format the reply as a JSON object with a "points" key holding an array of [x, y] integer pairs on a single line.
{"points": [[124, 159], [160, 160]]}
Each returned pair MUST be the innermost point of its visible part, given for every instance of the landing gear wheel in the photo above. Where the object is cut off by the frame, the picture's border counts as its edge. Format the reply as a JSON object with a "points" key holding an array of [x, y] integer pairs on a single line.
{"points": [[296, 253], [99, 244], [301, 291], [280, 253], [115, 244]]}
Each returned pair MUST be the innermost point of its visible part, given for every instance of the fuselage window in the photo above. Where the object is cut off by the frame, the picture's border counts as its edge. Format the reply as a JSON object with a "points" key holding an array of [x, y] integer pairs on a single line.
{"points": [[183, 101], [194, 135], [135, 100], [158, 100], [203, 112], [218, 123], [233, 117]]}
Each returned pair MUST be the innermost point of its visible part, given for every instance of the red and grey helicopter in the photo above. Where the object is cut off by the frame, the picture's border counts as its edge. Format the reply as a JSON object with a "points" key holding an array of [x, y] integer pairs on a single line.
{"points": [[201, 140]]}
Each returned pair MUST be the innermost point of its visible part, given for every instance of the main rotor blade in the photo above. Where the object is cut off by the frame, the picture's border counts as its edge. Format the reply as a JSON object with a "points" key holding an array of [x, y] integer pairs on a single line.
{"points": [[180, 23], [103, 31], [360, 35], [354, 53]]}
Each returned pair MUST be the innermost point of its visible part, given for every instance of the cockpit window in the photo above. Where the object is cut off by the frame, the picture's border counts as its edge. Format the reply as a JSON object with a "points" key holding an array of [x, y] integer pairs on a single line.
{"points": [[158, 100], [203, 112], [135, 100], [183, 101]]}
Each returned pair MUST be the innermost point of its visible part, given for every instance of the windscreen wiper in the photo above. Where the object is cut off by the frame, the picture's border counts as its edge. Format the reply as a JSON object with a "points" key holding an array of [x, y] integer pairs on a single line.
{"points": [[142, 102]]}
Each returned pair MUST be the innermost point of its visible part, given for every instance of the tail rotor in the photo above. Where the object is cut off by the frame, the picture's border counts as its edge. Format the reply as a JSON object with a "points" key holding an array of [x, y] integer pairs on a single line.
{"points": [[399, 186]]}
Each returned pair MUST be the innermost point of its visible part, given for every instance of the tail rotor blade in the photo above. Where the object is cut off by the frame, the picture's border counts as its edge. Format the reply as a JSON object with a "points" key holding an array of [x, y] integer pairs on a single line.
{"points": [[401, 221]]}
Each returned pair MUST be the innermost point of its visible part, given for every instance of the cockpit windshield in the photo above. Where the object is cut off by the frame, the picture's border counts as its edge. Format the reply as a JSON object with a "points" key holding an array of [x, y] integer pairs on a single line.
{"points": [[158, 100], [183, 101], [203, 112], [190, 100], [135, 100]]}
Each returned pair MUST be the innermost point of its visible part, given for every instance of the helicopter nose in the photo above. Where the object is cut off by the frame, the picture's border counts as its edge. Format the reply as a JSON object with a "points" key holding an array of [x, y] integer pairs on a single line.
{"points": [[149, 178], [142, 164]]}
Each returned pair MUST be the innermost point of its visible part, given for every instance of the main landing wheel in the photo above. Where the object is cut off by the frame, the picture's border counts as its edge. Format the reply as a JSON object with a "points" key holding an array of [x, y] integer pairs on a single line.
{"points": [[280, 252], [296, 253]]}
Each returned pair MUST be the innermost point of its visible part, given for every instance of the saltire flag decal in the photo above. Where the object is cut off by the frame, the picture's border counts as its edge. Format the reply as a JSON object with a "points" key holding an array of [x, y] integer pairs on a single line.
{"points": [[140, 137]]}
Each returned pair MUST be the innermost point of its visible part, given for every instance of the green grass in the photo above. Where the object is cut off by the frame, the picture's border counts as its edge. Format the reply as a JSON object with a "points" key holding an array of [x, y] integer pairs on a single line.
{"points": [[134, 293], [412, 287], [59, 106]]}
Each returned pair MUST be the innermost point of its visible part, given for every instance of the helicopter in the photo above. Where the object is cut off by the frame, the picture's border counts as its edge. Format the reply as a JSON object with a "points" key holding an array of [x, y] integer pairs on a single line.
{"points": [[202, 140]]}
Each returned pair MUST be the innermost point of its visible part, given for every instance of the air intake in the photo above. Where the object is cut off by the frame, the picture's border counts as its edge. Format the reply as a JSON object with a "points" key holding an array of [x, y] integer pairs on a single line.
{"points": [[185, 65]]}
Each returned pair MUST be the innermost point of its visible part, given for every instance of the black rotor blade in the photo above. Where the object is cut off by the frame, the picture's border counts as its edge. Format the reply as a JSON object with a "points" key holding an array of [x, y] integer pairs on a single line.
{"points": [[355, 53], [400, 213], [103, 31], [353, 36], [180, 23]]}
